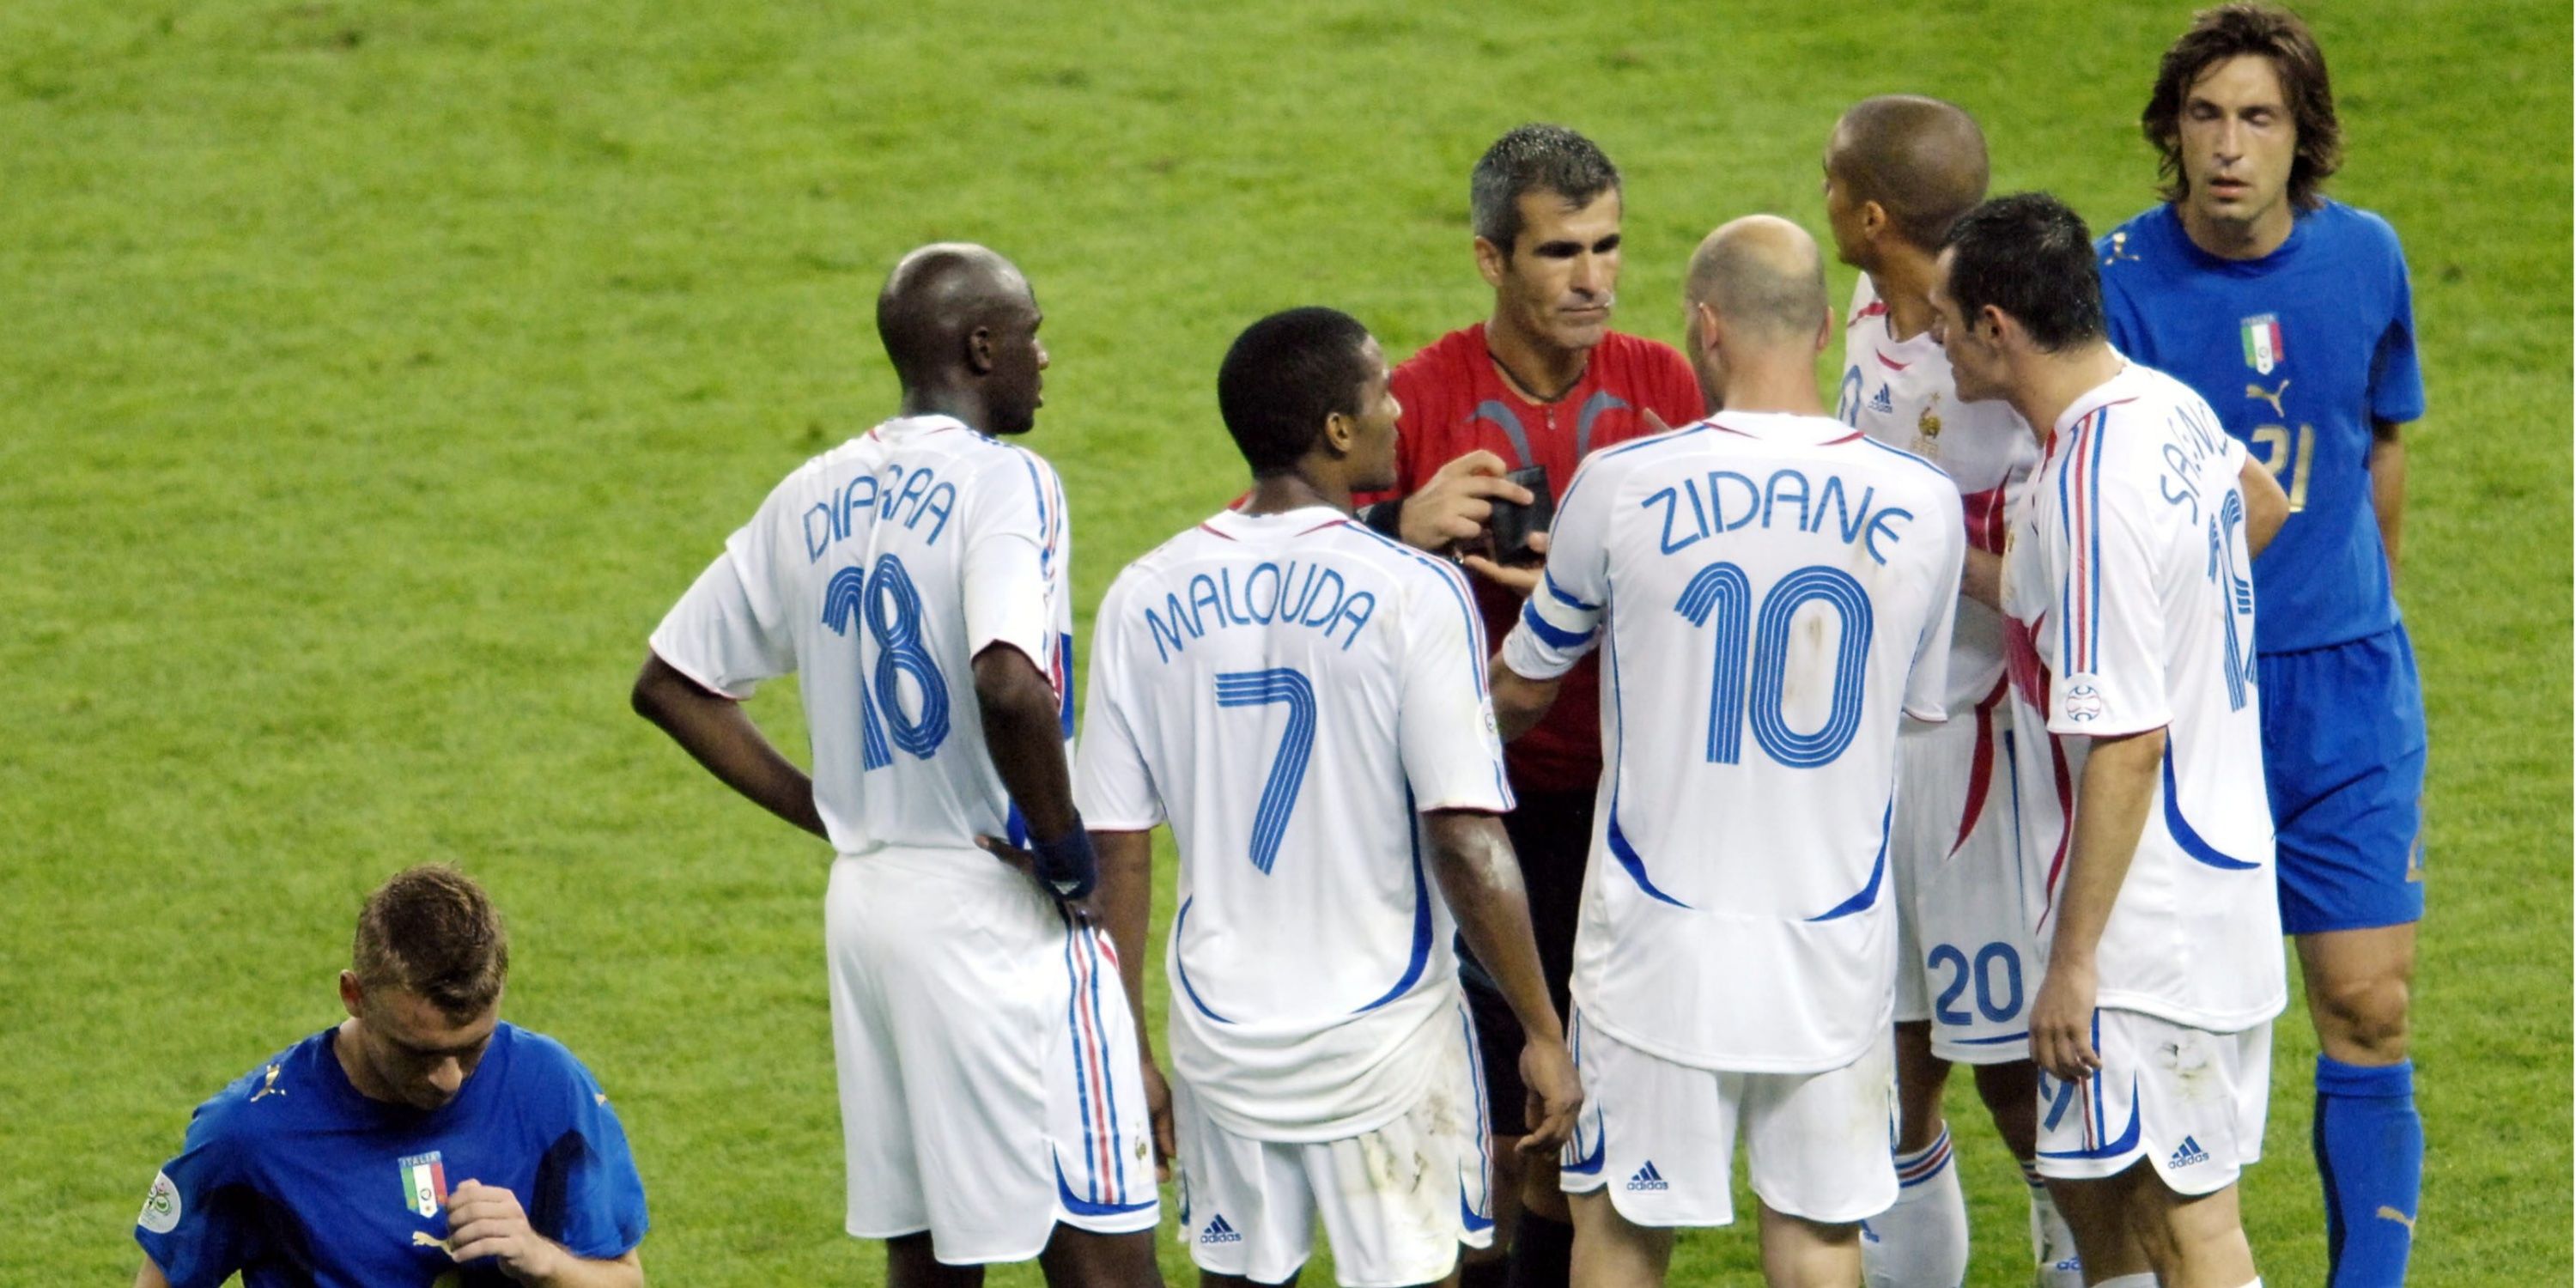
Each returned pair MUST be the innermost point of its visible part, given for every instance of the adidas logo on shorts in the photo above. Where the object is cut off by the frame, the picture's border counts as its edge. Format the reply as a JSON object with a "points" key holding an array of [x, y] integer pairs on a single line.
{"points": [[1647, 1178], [1218, 1231], [2187, 1154]]}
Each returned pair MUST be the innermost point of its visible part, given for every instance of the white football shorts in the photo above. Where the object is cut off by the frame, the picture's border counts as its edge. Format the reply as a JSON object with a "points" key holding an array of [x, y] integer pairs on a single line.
{"points": [[2189, 1101], [1396, 1202], [988, 1072], [1964, 905], [1661, 1136]]}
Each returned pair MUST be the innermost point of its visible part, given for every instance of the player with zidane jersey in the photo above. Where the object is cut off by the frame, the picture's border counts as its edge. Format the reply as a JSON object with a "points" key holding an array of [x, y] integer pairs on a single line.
{"points": [[1898, 170], [1304, 701], [916, 577], [1769, 590], [2131, 614]]}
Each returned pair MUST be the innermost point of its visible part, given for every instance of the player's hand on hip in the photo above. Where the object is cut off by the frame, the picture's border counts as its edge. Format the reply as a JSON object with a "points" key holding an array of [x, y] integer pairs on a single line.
{"points": [[1520, 579], [1027, 864], [2061, 1021], [487, 1221], [1555, 1096], [1454, 505], [1158, 1111]]}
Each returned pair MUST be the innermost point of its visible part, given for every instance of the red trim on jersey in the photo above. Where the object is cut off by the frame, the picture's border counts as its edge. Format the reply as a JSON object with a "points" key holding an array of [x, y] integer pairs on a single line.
{"points": [[1888, 362], [1981, 777], [1213, 532], [1873, 309], [2066, 817], [1328, 523], [1853, 437]]}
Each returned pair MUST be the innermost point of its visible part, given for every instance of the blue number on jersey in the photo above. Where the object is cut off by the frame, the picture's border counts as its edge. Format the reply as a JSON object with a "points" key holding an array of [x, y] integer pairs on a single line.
{"points": [[1287, 686], [1722, 594], [893, 617], [841, 600]]}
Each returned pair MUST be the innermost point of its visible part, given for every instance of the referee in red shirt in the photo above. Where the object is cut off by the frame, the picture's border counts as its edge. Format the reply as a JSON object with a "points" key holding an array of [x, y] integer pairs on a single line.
{"points": [[1542, 382]]}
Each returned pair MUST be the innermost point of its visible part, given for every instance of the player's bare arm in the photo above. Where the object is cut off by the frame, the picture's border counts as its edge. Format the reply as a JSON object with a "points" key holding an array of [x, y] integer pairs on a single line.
{"points": [[1480, 880], [1126, 902], [2388, 485], [2110, 813], [1519, 701], [714, 729], [489, 1221], [1981, 578], [2267, 507], [1454, 505], [1024, 733]]}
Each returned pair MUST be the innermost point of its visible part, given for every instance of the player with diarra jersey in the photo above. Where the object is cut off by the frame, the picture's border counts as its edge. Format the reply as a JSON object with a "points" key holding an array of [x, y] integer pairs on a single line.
{"points": [[992, 1107], [420, 1141], [1304, 700], [2291, 314], [2131, 625], [1540, 383], [1770, 589], [1898, 170]]}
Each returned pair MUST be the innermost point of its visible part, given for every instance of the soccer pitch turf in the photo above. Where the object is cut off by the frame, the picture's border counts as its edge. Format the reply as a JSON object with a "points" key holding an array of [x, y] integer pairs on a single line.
{"points": [[372, 376]]}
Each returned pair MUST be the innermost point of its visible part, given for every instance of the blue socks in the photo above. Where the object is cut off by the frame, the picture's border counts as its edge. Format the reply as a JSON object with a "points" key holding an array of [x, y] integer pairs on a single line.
{"points": [[2370, 1153]]}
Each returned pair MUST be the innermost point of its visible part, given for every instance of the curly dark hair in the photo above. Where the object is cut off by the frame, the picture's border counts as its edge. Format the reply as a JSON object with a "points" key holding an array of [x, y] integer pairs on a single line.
{"points": [[2234, 30]]}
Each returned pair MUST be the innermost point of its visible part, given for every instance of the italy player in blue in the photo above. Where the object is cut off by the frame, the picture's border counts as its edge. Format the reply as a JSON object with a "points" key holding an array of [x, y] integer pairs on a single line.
{"points": [[2291, 314], [419, 1142]]}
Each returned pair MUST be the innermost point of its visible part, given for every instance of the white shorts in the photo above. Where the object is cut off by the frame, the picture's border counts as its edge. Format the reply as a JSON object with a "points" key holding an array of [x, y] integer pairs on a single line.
{"points": [[1662, 1135], [2190, 1101], [1964, 907], [989, 1081], [1396, 1202]]}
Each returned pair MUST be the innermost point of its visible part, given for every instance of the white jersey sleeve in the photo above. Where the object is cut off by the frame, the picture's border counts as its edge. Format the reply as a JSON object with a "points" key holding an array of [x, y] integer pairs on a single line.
{"points": [[1453, 759], [730, 632], [1113, 783], [1927, 685], [1561, 621], [1015, 539]]}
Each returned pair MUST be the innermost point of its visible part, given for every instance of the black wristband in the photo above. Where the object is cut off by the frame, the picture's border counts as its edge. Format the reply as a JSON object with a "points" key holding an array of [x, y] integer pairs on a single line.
{"points": [[1066, 863], [1386, 518]]}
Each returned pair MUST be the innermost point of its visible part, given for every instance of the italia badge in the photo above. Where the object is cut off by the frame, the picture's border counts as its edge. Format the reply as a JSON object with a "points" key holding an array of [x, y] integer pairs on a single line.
{"points": [[2263, 346], [425, 1183]]}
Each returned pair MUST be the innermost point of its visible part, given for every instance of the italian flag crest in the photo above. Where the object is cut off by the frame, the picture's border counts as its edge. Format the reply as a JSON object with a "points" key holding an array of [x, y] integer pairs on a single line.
{"points": [[2263, 350], [425, 1183]]}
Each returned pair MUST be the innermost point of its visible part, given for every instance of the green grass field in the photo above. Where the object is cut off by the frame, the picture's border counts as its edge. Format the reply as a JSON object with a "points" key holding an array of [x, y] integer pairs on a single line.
{"points": [[372, 376]]}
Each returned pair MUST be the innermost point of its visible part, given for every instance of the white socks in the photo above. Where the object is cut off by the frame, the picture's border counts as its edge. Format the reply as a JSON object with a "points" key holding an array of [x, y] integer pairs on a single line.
{"points": [[2052, 1245], [1922, 1242]]}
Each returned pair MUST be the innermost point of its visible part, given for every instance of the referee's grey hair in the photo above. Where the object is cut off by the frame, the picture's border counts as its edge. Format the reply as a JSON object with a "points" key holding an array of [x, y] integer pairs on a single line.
{"points": [[1534, 158]]}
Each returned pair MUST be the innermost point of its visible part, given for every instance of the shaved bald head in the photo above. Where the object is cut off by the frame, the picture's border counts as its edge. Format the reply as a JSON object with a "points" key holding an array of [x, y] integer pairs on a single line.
{"points": [[961, 323], [1763, 277], [936, 297], [1922, 160]]}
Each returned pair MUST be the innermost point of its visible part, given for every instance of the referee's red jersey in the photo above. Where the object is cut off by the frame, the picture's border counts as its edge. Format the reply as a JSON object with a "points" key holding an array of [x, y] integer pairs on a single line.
{"points": [[1454, 403]]}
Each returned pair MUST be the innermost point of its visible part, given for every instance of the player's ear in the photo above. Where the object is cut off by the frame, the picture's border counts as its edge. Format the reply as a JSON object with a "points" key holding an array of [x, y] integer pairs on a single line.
{"points": [[1825, 331], [1340, 432], [353, 995], [1873, 220], [979, 350], [1491, 260]]}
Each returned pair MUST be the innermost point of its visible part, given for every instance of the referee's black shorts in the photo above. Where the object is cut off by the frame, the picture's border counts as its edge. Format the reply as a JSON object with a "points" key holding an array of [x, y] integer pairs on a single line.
{"points": [[1552, 833]]}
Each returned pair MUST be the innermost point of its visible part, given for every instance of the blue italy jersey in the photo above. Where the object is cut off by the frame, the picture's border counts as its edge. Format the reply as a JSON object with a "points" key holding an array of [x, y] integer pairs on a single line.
{"points": [[292, 1178], [2298, 351]]}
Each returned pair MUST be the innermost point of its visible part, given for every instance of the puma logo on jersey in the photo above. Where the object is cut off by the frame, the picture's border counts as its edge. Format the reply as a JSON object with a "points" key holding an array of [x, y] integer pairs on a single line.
{"points": [[268, 1086], [2387, 1213], [2274, 397], [2119, 249]]}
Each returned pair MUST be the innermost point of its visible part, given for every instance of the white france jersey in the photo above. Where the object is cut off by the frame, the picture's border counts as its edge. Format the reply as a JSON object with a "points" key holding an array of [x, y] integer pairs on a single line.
{"points": [[2132, 609], [1291, 690], [1900, 393], [1774, 590], [878, 571]]}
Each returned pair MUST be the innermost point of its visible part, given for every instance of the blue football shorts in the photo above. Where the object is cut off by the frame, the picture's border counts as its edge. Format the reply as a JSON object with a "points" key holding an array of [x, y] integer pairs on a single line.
{"points": [[2343, 753]]}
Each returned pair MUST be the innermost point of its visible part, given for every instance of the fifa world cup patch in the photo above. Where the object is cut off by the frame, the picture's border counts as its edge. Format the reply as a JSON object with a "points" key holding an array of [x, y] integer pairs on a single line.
{"points": [[161, 1206], [2083, 702], [425, 1183]]}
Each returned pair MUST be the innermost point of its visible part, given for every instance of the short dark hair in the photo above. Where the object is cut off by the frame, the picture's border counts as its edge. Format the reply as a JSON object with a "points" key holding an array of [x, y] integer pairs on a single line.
{"points": [[1534, 158], [2232, 31], [2030, 256], [431, 930], [1922, 160], [1283, 377]]}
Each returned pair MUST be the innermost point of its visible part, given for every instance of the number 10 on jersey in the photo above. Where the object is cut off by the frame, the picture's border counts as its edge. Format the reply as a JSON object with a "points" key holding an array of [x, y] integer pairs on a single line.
{"points": [[1747, 679]]}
